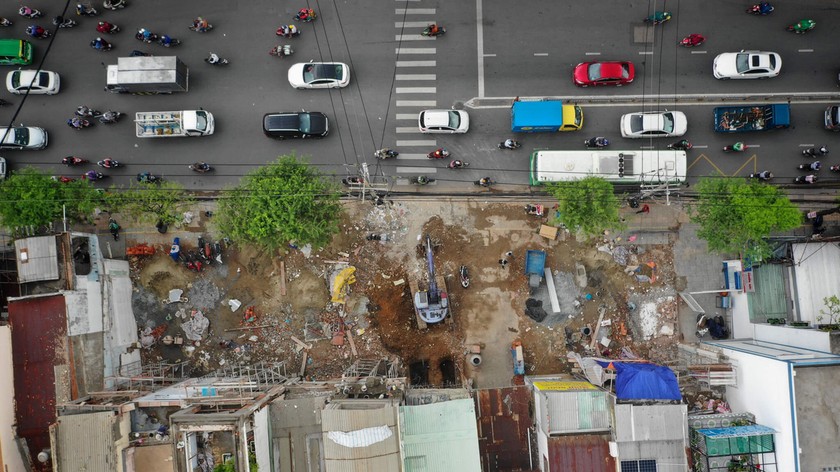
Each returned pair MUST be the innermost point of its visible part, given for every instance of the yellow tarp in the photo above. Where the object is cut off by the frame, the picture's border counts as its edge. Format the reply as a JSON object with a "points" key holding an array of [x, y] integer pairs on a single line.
{"points": [[342, 280]]}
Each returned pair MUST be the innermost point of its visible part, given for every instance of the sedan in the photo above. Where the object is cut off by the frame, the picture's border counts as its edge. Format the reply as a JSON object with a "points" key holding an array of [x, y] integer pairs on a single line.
{"points": [[314, 75], [40, 82], [24, 138], [603, 73], [653, 124], [747, 65], [444, 121]]}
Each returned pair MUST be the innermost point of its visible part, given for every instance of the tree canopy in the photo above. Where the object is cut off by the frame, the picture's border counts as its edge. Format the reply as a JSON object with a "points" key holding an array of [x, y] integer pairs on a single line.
{"points": [[162, 202], [589, 205], [30, 197], [284, 201], [736, 216]]}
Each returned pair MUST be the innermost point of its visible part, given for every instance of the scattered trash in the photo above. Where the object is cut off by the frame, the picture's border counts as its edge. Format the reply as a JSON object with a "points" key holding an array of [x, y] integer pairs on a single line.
{"points": [[234, 304], [195, 327]]}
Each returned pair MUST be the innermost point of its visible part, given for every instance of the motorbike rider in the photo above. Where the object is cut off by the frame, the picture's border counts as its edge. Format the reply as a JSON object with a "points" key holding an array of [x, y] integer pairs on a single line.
{"points": [[213, 59], [76, 122], [305, 13], [201, 167], [200, 24], [109, 116], [108, 163], [815, 166], [165, 40], [35, 31], [104, 27], [739, 146], [509, 143], [763, 175], [26, 11], [100, 43], [763, 7], [598, 141], [485, 181], [145, 34], [456, 164], [91, 175], [439, 153], [146, 177], [71, 161], [434, 29], [114, 228]]}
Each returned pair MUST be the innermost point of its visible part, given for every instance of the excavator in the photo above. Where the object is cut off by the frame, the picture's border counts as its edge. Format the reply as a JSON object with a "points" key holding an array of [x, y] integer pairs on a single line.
{"points": [[432, 305]]}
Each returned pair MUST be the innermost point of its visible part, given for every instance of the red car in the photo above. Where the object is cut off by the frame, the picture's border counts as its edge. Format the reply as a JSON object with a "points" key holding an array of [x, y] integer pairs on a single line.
{"points": [[604, 73]]}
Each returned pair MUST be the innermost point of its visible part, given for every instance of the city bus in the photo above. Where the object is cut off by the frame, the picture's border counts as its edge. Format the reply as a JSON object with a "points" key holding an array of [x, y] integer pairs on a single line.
{"points": [[618, 167]]}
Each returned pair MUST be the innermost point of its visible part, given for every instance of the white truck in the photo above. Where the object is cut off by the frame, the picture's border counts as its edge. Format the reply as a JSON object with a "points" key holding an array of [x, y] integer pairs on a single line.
{"points": [[171, 124], [147, 75]]}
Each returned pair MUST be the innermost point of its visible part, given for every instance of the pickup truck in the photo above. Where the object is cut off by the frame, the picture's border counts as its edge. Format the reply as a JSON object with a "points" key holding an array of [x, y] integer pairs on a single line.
{"points": [[174, 124], [544, 115], [752, 118]]}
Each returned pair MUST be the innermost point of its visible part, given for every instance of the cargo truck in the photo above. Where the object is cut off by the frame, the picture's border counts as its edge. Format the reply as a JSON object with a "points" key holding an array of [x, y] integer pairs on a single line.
{"points": [[752, 118], [172, 124], [544, 116], [147, 75]]}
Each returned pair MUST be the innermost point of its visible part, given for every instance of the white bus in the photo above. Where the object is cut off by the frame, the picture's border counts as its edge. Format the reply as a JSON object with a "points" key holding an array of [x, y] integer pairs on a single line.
{"points": [[618, 167]]}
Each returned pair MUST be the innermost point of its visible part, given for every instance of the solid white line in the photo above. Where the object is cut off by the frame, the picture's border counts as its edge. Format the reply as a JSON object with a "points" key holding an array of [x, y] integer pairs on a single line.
{"points": [[415, 77], [415, 51], [416, 63], [647, 147], [541, 54], [592, 54], [489, 55], [752, 145], [805, 50], [411, 24], [412, 157], [413, 37], [701, 147], [807, 145], [699, 52], [406, 116], [416, 90], [416, 170], [415, 11], [479, 23], [645, 53], [407, 129], [421, 142], [416, 103]]}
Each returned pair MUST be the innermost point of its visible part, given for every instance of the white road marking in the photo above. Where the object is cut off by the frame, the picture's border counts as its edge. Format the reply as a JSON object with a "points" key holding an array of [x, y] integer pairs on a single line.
{"points": [[415, 50], [411, 24], [479, 31], [415, 11], [645, 53], [407, 129], [805, 50], [699, 52], [489, 55], [592, 54], [417, 170], [807, 145], [415, 77], [416, 103], [412, 157], [419, 142], [701, 147], [541, 54], [406, 116], [416, 89], [416, 63], [413, 37]]}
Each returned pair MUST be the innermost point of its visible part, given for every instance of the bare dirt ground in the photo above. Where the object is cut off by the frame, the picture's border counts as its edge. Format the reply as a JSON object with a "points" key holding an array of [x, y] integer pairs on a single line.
{"points": [[379, 313]]}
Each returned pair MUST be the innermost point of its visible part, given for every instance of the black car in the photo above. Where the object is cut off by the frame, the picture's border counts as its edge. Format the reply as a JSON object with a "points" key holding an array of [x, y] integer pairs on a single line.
{"points": [[296, 124]]}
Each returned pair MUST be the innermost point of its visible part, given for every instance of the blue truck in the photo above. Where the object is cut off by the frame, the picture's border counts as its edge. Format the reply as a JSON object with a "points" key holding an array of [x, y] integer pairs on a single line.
{"points": [[534, 267], [752, 118], [544, 116]]}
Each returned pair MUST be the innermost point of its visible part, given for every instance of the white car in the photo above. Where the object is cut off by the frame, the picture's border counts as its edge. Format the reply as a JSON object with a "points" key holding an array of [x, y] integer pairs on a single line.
{"points": [[655, 124], [24, 138], [747, 65], [45, 82], [444, 121], [313, 75]]}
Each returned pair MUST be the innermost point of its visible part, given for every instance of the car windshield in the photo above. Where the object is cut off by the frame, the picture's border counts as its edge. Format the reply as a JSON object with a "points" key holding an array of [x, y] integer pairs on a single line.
{"points": [[16, 80], [201, 120], [305, 124], [667, 122], [454, 120], [625, 71], [18, 136], [742, 63], [327, 72], [594, 71], [636, 123]]}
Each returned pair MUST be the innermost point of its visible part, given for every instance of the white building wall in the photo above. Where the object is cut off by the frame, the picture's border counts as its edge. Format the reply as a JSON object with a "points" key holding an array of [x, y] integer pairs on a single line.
{"points": [[542, 448], [764, 389], [12, 461], [262, 438], [813, 339]]}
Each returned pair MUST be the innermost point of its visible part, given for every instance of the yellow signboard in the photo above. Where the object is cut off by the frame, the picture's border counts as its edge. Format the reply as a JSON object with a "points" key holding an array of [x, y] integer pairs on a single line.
{"points": [[564, 385]]}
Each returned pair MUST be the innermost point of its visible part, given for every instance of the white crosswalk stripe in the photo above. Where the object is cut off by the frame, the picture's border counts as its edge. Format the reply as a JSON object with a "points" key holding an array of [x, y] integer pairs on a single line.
{"points": [[416, 89], [413, 37], [418, 142], [416, 103], [411, 24], [415, 11], [415, 76], [401, 51], [407, 129], [417, 170], [407, 116], [412, 157], [416, 63]]}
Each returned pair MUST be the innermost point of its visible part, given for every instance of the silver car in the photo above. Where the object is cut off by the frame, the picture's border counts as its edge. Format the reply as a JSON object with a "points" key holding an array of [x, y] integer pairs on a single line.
{"points": [[23, 138]]}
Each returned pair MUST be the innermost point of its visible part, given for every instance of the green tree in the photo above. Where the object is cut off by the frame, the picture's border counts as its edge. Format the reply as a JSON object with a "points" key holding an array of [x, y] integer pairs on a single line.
{"points": [[284, 201], [31, 197], [162, 202], [735, 216], [588, 204]]}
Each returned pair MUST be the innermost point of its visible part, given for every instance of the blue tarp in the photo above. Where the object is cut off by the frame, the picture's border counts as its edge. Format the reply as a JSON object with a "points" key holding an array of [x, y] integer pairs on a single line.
{"points": [[635, 381]]}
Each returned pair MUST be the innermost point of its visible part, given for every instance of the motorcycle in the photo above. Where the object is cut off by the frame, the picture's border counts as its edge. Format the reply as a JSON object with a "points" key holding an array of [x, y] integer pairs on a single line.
{"points": [[148, 178], [692, 40], [306, 15], [281, 51], [352, 181], [456, 164], [484, 182], [70, 161], [78, 123], [86, 112], [814, 166], [200, 167], [737, 147], [439, 153], [93, 175], [114, 228], [108, 163], [465, 276], [658, 17], [64, 180], [36, 31], [200, 25], [714, 326], [62, 22], [85, 10], [421, 180], [29, 12], [168, 42], [834, 168], [146, 36], [5, 22], [385, 153], [110, 117], [288, 31], [802, 27], [101, 45], [815, 152], [682, 145], [215, 60], [806, 179], [535, 210], [510, 144], [107, 28], [433, 30], [114, 4], [763, 175], [763, 8], [597, 142]]}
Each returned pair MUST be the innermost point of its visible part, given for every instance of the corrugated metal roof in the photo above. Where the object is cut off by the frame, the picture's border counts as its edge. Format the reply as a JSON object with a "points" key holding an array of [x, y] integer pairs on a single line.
{"points": [[37, 258], [580, 453], [504, 417], [440, 436], [650, 422], [86, 442], [575, 411], [817, 273], [382, 455]]}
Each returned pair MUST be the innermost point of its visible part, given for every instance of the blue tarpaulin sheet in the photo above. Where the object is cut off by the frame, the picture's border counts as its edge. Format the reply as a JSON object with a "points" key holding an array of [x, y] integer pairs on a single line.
{"points": [[635, 381]]}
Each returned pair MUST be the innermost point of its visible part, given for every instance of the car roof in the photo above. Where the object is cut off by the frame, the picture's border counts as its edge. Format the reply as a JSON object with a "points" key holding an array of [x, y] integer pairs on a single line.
{"points": [[436, 117]]}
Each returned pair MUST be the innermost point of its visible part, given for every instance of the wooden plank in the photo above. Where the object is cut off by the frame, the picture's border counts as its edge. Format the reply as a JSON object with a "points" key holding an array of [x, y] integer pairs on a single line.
{"points": [[303, 363], [352, 344], [601, 311], [252, 327], [301, 343]]}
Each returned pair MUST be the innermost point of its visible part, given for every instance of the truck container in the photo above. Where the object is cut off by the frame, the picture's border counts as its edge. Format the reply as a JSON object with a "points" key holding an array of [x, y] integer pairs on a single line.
{"points": [[147, 75], [544, 116], [173, 124], [752, 118]]}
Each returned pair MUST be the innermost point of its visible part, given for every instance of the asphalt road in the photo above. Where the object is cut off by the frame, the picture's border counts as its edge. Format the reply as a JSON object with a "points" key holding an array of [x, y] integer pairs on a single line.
{"points": [[492, 49]]}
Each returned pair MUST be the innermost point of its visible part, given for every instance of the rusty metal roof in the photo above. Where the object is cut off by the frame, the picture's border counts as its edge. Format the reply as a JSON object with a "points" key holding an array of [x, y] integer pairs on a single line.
{"points": [[39, 350], [503, 421], [580, 453]]}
